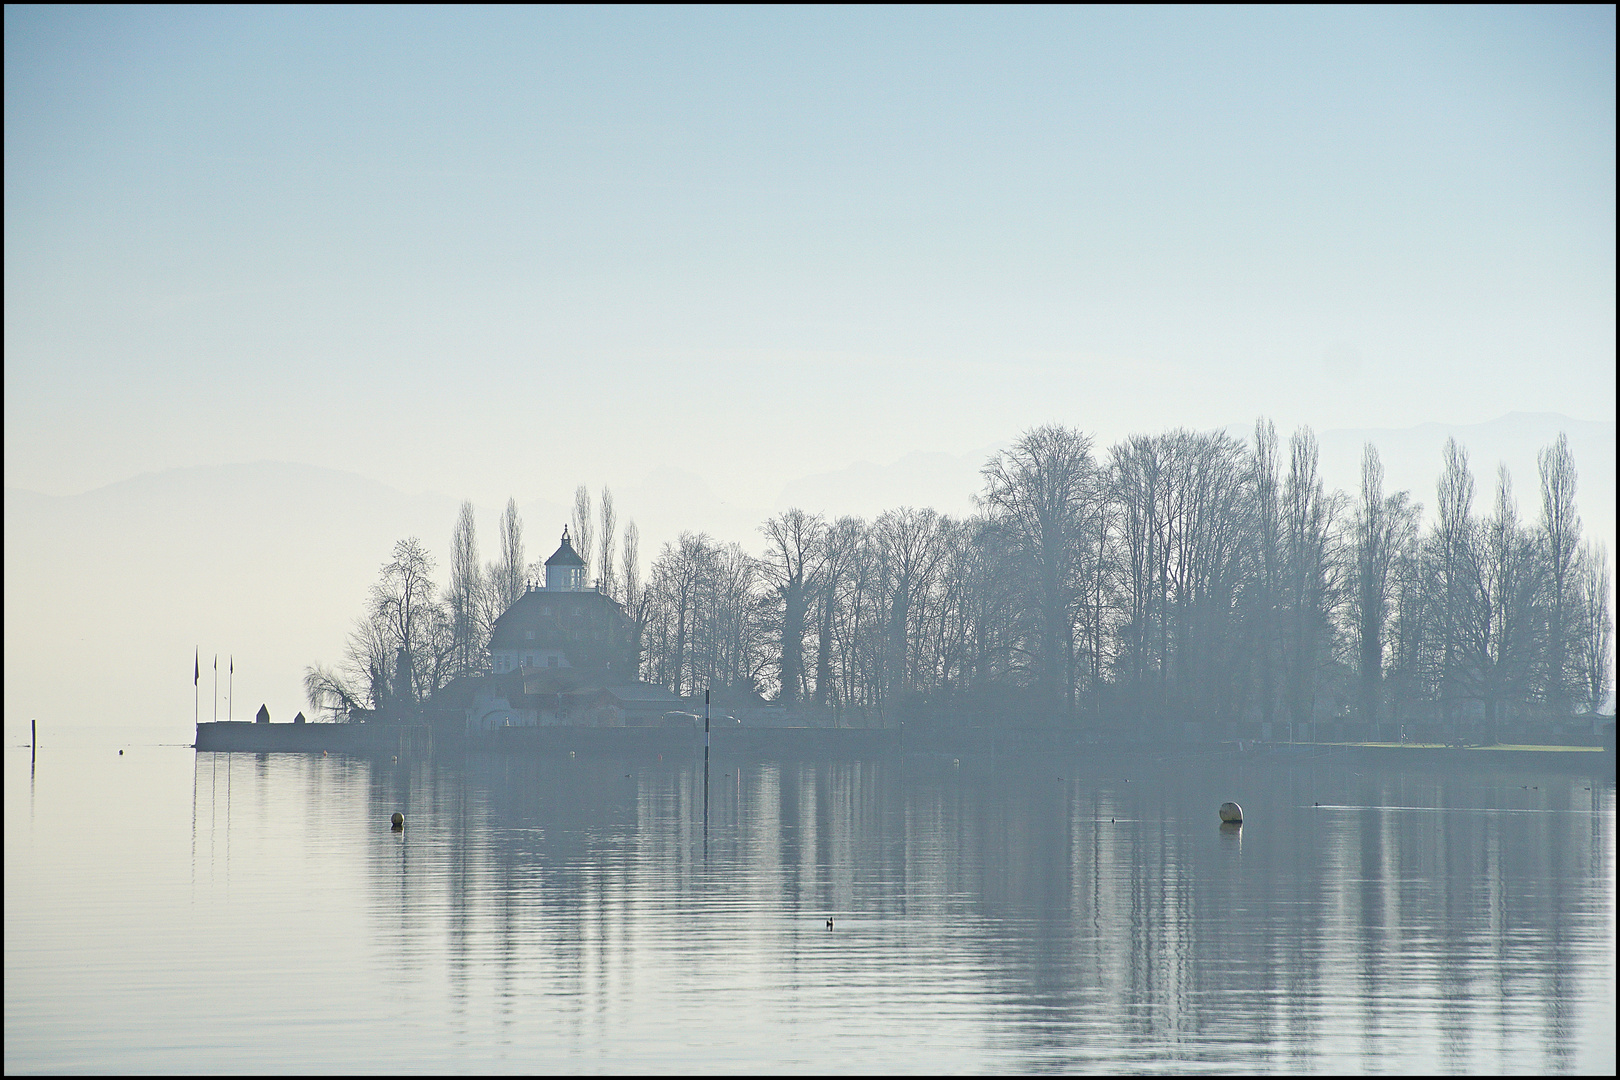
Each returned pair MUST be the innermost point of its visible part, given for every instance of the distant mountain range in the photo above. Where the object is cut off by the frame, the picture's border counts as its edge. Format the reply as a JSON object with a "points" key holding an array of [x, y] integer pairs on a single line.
{"points": [[106, 591]]}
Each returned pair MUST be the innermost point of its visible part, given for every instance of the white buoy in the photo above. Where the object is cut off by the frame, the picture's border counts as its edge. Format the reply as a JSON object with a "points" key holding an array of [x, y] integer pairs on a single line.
{"points": [[1231, 813], [397, 820]]}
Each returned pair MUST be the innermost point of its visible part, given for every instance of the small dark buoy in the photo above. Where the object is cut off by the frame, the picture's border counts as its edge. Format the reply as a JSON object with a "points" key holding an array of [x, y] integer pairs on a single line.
{"points": [[1110, 821], [829, 922], [120, 753], [398, 820]]}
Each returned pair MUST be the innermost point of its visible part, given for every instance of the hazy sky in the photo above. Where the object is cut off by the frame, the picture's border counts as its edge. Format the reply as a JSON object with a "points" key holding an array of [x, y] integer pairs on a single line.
{"points": [[494, 252]]}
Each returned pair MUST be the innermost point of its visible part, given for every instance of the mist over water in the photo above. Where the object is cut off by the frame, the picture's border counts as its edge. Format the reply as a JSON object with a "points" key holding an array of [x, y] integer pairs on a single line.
{"points": [[991, 913]]}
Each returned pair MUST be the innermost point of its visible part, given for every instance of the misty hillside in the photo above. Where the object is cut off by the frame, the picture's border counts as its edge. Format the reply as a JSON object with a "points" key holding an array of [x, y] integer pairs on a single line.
{"points": [[108, 592]]}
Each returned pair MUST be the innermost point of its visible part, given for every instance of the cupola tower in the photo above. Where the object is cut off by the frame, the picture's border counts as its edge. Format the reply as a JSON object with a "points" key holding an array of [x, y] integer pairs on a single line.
{"points": [[565, 570]]}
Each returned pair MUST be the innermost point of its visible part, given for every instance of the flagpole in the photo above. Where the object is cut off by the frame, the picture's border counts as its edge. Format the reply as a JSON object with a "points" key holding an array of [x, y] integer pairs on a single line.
{"points": [[230, 692], [216, 688], [196, 677]]}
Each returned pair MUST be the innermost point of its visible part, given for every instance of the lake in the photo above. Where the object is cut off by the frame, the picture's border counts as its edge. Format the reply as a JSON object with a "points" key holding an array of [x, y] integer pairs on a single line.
{"points": [[173, 911]]}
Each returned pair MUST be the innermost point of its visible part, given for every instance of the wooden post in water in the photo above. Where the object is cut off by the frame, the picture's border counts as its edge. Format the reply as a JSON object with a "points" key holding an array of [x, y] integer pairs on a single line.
{"points": [[705, 773]]}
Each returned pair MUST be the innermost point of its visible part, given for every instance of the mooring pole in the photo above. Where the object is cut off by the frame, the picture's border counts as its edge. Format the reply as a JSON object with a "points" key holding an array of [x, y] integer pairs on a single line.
{"points": [[705, 773]]}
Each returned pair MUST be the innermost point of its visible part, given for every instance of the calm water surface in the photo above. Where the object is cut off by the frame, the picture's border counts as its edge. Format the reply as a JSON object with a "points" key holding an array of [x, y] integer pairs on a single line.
{"points": [[167, 910]]}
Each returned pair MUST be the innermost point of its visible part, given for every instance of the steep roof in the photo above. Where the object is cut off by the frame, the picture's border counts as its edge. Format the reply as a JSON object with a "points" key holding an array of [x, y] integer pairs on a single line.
{"points": [[565, 555]]}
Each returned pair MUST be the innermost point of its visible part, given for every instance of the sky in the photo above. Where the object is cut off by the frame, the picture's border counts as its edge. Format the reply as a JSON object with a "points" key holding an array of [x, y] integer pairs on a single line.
{"points": [[497, 252]]}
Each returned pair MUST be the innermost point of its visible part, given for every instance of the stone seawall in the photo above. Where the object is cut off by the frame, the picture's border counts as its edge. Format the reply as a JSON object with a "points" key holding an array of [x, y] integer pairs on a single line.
{"points": [[240, 736], [381, 738]]}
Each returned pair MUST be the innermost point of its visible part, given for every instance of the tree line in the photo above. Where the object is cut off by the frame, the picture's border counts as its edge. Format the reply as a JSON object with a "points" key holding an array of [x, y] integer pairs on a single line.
{"points": [[1186, 575]]}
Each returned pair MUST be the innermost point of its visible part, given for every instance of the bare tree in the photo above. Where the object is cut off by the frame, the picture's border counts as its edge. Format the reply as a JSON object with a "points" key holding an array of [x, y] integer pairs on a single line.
{"points": [[630, 559], [1499, 629], [1454, 542], [1560, 540], [1594, 642], [676, 582], [1042, 491], [402, 607], [1307, 528], [605, 554], [1383, 528], [331, 697], [795, 538], [732, 644], [1268, 547], [463, 596], [400, 652], [582, 527], [635, 597], [910, 552], [840, 548], [1135, 482], [507, 575]]}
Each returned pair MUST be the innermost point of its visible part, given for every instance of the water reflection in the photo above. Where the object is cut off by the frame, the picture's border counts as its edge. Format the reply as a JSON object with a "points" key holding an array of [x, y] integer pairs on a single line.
{"points": [[1027, 914]]}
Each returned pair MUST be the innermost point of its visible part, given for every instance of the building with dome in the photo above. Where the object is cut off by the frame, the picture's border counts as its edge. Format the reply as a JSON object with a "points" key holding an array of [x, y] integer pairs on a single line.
{"points": [[565, 634]]}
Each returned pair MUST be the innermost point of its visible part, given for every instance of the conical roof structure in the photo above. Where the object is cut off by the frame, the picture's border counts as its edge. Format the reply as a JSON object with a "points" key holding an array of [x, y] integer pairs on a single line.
{"points": [[565, 555]]}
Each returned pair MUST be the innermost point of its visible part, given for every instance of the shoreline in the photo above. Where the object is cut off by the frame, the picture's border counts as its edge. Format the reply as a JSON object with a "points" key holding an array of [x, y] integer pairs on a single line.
{"points": [[421, 740]]}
